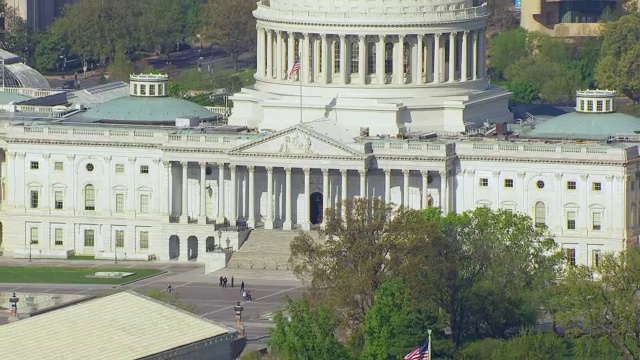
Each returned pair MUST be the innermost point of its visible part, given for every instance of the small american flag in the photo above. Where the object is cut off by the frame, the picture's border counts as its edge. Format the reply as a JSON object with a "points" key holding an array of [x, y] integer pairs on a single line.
{"points": [[421, 353], [295, 68]]}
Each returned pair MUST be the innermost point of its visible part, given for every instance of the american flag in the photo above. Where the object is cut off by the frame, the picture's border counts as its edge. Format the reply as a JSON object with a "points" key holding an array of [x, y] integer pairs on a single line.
{"points": [[421, 353], [295, 68]]}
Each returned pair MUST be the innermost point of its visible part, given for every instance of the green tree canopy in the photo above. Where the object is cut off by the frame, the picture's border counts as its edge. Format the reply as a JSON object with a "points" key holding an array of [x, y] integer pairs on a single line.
{"points": [[305, 332], [505, 49]]}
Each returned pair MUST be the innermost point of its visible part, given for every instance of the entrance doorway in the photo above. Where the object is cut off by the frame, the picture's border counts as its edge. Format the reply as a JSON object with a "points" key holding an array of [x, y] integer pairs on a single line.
{"points": [[315, 202], [174, 247], [192, 248]]}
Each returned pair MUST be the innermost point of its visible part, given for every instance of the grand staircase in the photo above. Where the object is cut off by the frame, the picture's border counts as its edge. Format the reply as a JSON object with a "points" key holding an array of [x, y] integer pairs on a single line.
{"points": [[265, 250]]}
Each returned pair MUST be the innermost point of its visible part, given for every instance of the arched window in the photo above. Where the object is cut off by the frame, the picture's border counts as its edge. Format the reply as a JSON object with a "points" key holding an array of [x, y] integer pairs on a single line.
{"points": [[89, 197], [388, 58], [371, 58], [540, 214]]}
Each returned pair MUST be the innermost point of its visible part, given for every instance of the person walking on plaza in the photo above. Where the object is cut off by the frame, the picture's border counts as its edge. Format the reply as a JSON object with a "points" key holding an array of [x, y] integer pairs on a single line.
{"points": [[220, 283], [242, 287], [231, 280], [224, 282]]}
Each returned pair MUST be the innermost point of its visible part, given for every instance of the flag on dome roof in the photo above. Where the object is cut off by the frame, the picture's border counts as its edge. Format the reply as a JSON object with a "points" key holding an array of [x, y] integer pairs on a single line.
{"points": [[421, 353], [295, 68]]}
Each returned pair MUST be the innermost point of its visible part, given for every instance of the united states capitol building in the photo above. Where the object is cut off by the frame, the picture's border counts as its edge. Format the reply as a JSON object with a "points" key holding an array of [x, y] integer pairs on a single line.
{"points": [[392, 102]]}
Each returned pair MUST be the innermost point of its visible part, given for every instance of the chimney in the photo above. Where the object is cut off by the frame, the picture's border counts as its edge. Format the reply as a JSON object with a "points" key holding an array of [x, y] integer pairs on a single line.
{"points": [[500, 129]]}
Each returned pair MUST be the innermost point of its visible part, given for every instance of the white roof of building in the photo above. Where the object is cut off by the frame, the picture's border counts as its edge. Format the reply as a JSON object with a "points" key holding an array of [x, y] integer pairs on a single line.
{"points": [[100, 94], [121, 326]]}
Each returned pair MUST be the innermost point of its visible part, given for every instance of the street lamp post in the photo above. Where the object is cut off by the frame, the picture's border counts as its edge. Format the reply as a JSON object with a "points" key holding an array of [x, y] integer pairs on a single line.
{"points": [[30, 243], [220, 238], [115, 252], [429, 348]]}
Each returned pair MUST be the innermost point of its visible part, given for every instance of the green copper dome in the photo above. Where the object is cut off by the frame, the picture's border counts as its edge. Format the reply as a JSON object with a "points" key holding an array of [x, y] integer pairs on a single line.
{"points": [[134, 109], [587, 126]]}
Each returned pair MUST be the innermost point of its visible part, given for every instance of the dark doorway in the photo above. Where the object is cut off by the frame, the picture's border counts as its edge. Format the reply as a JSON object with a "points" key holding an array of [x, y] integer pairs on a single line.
{"points": [[174, 247], [192, 248], [316, 208], [210, 244]]}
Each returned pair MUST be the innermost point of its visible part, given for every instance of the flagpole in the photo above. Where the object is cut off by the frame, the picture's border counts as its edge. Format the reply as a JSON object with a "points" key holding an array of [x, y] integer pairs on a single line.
{"points": [[429, 347]]}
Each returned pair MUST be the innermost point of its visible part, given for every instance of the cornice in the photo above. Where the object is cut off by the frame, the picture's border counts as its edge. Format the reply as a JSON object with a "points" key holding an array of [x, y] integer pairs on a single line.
{"points": [[81, 143], [298, 156], [544, 161]]}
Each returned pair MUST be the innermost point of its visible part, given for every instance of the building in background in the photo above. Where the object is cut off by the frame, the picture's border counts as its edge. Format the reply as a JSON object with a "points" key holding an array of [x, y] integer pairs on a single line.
{"points": [[39, 13], [565, 18]]}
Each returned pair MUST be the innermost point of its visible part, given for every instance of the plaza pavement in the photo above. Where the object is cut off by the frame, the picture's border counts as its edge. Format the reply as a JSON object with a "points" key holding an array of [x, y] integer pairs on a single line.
{"points": [[190, 284]]}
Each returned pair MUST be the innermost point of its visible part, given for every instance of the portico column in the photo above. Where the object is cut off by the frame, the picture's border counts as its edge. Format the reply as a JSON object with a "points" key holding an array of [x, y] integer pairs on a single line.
{"points": [[425, 189], [260, 53], [251, 221], [221, 216], [269, 220], [405, 188], [362, 60], [343, 59], [290, 46], [418, 65], [306, 224], [436, 59], [203, 198], [482, 52], [184, 215], [429, 60], [444, 195], [452, 57], [387, 186], [380, 70], [169, 192], [287, 225], [304, 61], [233, 196], [325, 192], [279, 55], [325, 58], [400, 60], [464, 66], [343, 191], [363, 183], [475, 55], [269, 54]]}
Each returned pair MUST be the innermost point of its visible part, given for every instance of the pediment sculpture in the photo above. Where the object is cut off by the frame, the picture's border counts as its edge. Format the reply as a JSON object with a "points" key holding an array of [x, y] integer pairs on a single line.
{"points": [[294, 144]]}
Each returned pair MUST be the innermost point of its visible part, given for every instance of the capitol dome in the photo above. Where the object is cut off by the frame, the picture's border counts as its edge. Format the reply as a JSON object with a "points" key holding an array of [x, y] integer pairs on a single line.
{"points": [[389, 65], [148, 103]]}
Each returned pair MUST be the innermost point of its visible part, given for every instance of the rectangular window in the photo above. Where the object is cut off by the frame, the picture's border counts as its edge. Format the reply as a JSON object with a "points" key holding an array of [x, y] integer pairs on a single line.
{"points": [[571, 185], [599, 105], [509, 211], [484, 182], [34, 165], [143, 89], [144, 169], [58, 166], [89, 198], [119, 238], [144, 204], [597, 186], [336, 57], [144, 239], [34, 199], [119, 202], [58, 200], [34, 235], [59, 235], [589, 105], [89, 238], [508, 183], [371, 58], [570, 256], [596, 258], [571, 220], [152, 89], [119, 168], [581, 108], [596, 219], [135, 89], [355, 57]]}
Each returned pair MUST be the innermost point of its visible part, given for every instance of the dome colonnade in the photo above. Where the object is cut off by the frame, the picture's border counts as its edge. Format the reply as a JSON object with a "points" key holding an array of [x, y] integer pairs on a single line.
{"points": [[441, 51]]}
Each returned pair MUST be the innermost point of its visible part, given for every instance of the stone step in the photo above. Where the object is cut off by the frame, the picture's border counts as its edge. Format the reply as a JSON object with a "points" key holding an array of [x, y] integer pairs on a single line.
{"points": [[259, 261], [271, 241]]}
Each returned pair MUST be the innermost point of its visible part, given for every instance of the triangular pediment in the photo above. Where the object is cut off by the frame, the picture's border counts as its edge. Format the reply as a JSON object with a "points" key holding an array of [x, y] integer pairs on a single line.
{"points": [[299, 142]]}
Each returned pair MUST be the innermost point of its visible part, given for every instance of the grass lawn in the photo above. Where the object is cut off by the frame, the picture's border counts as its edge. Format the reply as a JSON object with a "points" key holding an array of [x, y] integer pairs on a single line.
{"points": [[81, 257], [67, 275]]}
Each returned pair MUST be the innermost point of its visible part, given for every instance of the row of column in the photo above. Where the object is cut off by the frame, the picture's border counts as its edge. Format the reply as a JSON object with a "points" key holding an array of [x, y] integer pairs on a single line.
{"points": [[373, 59], [288, 221]]}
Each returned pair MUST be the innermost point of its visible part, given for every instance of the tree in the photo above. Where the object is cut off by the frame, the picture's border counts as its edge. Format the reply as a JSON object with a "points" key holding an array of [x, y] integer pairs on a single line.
{"points": [[523, 91], [396, 323], [505, 49], [502, 15], [304, 332], [48, 52], [619, 65], [176, 90], [485, 269], [121, 68], [607, 306], [349, 262], [18, 36], [231, 25]]}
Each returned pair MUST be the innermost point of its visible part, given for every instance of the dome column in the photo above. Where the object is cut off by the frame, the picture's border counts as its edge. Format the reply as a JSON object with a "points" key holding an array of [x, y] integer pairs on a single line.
{"points": [[304, 61], [475, 55], [429, 60], [380, 55], [260, 53], [436, 58], [452, 57], [269, 54], [483, 53], [290, 46], [362, 59], [325, 58], [278, 74], [464, 65], [418, 64], [343, 59], [399, 61]]}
